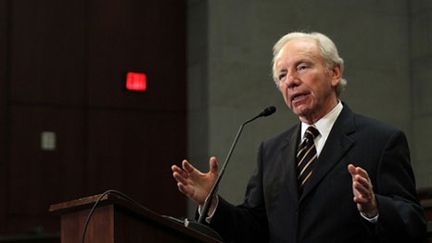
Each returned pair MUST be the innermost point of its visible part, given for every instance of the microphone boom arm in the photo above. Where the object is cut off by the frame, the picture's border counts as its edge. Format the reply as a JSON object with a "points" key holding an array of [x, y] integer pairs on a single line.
{"points": [[205, 208]]}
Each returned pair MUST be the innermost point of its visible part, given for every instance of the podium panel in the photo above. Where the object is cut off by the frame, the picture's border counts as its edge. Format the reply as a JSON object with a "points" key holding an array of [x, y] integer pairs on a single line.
{"points": [[116, 220]]}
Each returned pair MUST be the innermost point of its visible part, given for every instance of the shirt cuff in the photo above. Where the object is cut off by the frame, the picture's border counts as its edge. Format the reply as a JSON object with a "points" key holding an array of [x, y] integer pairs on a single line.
{"points": [[212, 209], [372, 220]]}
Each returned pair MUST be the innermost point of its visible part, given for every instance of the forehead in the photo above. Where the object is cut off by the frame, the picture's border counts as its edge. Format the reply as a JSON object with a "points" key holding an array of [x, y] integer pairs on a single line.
{"points": [[297, 49]]}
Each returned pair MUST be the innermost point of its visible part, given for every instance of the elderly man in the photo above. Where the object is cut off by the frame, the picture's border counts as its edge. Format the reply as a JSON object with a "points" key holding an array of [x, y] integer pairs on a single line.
{"points": [[335, 177]]}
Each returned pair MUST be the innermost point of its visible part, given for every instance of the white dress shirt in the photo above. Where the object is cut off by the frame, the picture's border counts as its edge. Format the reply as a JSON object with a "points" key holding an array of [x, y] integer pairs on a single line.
{"points": [[324, 126]]}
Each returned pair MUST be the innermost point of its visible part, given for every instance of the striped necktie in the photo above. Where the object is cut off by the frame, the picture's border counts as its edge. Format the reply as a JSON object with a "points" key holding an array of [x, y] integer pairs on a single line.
{"points": [[306, 156]]}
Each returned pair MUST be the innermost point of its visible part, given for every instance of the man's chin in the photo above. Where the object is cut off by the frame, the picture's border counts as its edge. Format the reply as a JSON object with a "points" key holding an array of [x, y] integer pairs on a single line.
{"points": [[301, 111], [305, 115]]}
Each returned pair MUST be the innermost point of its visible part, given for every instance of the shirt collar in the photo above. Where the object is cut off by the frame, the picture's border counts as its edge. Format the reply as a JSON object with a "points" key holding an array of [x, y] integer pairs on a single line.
{"points": [[325, 124]]}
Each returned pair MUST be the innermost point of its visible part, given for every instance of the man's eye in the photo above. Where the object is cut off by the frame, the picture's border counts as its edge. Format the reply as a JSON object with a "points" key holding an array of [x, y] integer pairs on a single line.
{"points": [[281, 76], [301, 67]]}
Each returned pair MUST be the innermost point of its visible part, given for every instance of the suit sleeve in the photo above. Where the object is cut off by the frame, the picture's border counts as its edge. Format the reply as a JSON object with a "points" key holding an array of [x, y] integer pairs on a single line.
{"points": [[400, 214], [248, 221]]}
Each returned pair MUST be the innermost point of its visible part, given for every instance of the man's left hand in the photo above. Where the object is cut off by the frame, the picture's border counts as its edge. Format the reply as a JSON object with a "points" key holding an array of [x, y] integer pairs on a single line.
{"points": [[364, 195]]}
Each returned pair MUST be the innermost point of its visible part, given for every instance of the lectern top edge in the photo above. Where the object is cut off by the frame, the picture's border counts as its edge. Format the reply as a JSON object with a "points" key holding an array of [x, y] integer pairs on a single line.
{"points": [[79, 203]]}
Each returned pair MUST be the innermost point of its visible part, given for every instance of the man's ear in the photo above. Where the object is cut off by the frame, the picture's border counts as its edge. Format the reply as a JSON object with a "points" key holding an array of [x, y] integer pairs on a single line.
{"points": [[336, 75]]}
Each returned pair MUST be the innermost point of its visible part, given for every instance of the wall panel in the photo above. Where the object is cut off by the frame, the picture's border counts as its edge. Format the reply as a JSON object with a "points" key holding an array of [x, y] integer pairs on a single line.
{"points": [[3, 109], [133, 153], [141, 36], [47, 61], [62, 66], [37, 177]]}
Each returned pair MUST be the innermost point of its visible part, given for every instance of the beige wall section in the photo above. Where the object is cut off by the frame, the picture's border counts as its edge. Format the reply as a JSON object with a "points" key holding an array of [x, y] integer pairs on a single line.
{"points": [[421, 96], [197, 88], [374, 39]]}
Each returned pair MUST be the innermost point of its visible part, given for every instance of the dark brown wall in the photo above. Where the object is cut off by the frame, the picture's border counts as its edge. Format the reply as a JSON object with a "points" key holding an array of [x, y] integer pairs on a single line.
{"points": [[3, 111], [62, 69]]}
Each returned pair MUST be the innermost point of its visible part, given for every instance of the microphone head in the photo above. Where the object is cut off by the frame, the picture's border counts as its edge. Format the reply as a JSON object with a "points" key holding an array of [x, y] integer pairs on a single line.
{"points": [[268, 111]]}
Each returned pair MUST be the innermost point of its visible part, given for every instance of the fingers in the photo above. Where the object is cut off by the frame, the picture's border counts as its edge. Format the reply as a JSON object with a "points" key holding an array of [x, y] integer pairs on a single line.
{"points": [[178, 170], [360, 176], [213, 164], [362, 189], [363, 192], [360, 180], [351, 169], [187, 166], [361, 183], [179, 174], [180, 178], [192, 182], [183, 189]]}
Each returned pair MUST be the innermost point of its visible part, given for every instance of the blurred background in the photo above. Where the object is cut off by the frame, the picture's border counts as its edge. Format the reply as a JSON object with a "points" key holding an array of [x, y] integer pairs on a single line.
{"points": [[70, 128]]}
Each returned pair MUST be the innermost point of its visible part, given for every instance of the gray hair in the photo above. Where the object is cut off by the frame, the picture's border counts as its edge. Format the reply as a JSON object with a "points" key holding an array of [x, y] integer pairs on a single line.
{"points": [[327, 48]]}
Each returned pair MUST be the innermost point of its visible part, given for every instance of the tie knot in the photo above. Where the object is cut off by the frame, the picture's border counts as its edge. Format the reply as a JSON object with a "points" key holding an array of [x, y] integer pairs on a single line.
{"points": [[311, 133]]}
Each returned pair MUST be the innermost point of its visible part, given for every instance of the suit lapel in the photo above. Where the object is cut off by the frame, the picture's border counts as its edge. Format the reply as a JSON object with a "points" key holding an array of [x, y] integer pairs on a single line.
{"points": [[337, 144], [288, 161]]}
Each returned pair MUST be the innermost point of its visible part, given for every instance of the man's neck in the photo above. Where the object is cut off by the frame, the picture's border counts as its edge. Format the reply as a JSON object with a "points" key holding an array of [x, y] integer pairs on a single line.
{"points": [[313, 118]]}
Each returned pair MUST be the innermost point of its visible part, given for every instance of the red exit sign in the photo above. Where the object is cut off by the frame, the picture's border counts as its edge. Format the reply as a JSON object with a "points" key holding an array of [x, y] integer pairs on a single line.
{"points": [[136, 81]]}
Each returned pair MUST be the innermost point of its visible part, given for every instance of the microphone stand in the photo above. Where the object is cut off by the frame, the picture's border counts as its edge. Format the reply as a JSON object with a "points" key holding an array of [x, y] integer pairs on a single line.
{"points": [[205, 208], [199, 225]]}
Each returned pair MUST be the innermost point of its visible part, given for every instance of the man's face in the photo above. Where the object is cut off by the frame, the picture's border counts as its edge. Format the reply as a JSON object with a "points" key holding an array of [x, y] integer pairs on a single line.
{"points": [[307, 85]]}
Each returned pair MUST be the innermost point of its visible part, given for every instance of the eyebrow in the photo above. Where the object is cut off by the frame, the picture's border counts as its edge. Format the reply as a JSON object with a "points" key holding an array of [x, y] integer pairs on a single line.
{"points": [[296, 63], [303, 60]]}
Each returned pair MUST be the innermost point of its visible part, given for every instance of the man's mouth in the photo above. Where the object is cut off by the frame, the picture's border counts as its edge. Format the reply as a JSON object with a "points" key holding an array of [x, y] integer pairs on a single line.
{"points": [[299, 97]]}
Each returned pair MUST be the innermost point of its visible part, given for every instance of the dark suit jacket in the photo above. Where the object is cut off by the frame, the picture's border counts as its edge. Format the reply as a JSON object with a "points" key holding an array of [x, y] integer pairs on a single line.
{"points": [[325, 212]]}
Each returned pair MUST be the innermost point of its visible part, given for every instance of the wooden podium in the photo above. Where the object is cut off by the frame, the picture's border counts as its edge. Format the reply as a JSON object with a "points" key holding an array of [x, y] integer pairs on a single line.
{"points": [[117, 220]]}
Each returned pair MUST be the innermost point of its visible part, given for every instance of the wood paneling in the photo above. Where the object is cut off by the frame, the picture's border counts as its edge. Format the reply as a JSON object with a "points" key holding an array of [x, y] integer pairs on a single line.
{"points": [[144, 36], [3, 110], [143, 145], [62, 69], [37, 177], [47, 47]]}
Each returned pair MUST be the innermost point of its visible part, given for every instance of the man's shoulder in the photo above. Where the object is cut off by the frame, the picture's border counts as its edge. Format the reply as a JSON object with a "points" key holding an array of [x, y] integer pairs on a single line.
{"points": [[363, 122], [285, 135], [367, 130]]}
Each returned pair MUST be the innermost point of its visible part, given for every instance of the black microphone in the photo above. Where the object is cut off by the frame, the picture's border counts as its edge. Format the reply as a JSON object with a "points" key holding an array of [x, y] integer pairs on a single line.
{"points": [[267, 111], [205, 208]]}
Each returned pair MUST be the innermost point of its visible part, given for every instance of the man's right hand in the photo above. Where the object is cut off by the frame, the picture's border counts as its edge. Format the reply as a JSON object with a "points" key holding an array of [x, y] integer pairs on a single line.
{"points": [[192, 182]]}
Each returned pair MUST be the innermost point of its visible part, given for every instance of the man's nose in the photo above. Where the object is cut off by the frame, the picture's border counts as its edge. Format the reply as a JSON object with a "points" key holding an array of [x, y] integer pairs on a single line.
{"points": [[292, 80]]}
